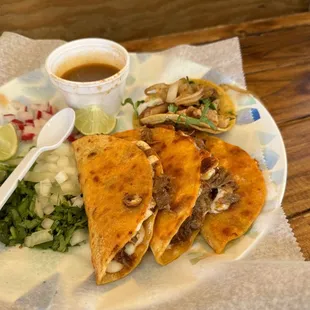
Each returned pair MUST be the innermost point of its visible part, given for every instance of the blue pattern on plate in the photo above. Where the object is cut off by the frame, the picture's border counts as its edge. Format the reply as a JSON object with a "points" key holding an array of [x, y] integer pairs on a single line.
{"points": [[130, 80], [271, 158], [277, 176], [246, 101], [43, 92], [216, 77], [39, 297], [32, 77], [247, 116], [142, 57], [265, 137], [23, 100]]}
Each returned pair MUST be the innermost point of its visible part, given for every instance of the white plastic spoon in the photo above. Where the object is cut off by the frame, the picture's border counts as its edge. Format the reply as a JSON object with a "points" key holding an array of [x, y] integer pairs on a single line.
{"points": [[54, 132]]}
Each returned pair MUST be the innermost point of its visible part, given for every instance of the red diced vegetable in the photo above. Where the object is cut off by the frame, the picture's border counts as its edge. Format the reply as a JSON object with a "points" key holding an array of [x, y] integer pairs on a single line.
{"points": [[39, 114], [27, 136], [71, 138], [18, 123], [29, 122]]}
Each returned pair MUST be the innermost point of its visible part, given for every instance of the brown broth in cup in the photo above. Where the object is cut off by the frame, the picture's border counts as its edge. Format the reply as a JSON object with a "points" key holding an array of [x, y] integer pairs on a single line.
{"points": [[90, 72]]}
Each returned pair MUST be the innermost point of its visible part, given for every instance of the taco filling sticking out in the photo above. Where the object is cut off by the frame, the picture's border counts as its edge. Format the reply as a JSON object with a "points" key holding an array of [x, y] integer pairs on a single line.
{"points": [[195, 103]]}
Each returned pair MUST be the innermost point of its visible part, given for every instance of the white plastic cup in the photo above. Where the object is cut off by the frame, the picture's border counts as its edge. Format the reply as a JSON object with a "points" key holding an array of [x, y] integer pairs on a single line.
{"points": [[107, 93]]}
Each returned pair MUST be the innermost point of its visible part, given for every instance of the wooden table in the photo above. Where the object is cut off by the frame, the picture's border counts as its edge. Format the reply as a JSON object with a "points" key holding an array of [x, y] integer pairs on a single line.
{"points": [[276, 58]]}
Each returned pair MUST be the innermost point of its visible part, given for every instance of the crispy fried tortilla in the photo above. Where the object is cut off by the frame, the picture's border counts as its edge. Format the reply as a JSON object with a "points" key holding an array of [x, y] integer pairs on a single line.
{"points": [[116, 178], [196, 103], [219, 229], [182, 162]]}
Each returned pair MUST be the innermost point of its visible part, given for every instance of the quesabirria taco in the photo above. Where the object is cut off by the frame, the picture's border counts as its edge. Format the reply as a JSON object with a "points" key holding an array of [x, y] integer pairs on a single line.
{"points": [[116, 178]]}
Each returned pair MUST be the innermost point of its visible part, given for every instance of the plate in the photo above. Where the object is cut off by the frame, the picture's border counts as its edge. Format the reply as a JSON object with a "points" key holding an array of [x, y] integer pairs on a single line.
{"points": [[36, 278]]}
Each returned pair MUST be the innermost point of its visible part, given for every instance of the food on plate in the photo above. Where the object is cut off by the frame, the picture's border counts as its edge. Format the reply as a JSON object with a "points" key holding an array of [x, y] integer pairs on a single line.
{"points": [[116, 178], [93, 120], [248, 182], [46, 210], [8, 142], [178, 224], [90, 72], [195, 103]]}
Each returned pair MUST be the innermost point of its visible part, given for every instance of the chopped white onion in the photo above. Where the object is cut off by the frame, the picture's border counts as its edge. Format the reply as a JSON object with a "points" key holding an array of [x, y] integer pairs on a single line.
{"points": [[49, 209], [56, 199], [37, 189], [52, 167], [63, 162], [77, 202], [52, 158], [70, 188], [38, 237], [47, 223], [35, 176], [140, 235], [151, 103], [45, 187], [129, 248], [79, 236], [38, 210], [114, 266], [64, 150], [61, 177], [71, 170], [172, 92]]}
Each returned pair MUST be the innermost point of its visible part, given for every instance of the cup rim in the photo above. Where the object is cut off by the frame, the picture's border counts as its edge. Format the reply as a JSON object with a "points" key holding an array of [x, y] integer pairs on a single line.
{"points": [[110, 79]]}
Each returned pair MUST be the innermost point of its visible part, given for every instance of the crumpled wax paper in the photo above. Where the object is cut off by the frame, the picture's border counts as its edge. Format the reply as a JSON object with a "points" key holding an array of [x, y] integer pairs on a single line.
{"points": [[272, 275]]}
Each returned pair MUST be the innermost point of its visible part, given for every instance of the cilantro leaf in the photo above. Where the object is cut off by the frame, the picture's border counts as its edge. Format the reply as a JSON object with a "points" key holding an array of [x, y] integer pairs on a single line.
{"points": [[172, 108], [135, 105]]}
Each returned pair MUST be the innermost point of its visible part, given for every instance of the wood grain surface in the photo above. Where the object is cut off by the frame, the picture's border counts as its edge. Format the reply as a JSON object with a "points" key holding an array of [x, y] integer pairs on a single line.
{"points": [[132, 19], [276, 60]]}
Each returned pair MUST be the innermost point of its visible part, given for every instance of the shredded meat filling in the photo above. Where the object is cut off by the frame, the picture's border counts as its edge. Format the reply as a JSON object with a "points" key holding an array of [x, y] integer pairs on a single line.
{"points": [[123, 258], [161, 191], [147, 135], [221, 179]]}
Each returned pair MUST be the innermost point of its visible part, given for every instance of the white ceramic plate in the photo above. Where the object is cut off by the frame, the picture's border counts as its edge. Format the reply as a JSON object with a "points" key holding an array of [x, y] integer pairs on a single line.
{"points": [[39, 279]]}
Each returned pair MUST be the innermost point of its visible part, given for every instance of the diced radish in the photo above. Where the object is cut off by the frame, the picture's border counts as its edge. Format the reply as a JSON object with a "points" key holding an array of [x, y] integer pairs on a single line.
{"points": [[61, 177], [47, 223], [45, 187], [28, 136], [9, 117], [29, 122], [49, 108], [31, 130], [25, 108], [35, 106], [18, 123], [22, 115], [71, 138], [46, 116], [49, 209], [39, 122], [39, 114]]}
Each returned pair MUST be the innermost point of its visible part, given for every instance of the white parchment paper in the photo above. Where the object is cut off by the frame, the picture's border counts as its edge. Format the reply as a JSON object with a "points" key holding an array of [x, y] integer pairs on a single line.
{"points": [[272, 276]]}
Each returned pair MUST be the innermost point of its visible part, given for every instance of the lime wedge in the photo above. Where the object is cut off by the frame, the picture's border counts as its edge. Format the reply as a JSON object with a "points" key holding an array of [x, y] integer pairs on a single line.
{"points": [[93, 120], [8, 142]]}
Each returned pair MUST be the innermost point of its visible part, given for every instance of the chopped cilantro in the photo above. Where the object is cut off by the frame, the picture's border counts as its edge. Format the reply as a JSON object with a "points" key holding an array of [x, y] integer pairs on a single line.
{"points": [[135, 105], [172, 108]]}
